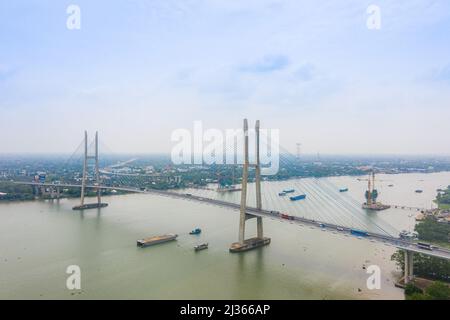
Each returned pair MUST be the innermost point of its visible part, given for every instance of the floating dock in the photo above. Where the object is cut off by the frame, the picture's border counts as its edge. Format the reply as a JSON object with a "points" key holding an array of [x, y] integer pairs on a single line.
{"points": [[90, 206], [249, 244], [375, 206], [156, 240]]}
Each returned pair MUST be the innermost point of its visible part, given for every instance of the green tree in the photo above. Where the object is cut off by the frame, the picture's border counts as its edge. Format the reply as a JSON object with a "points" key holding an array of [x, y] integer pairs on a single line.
{"points": [[431, 230], [425, 266]]}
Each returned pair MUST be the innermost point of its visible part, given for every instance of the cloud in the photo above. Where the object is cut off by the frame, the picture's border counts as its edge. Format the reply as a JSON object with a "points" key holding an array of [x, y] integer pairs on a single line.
{"points": [[441, 74], [6, 72], [267, 64], [305, 72]]}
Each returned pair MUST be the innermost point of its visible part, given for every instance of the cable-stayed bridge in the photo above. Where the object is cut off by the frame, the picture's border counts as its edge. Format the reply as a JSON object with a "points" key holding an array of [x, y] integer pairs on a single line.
{"points": [[318, 211]]}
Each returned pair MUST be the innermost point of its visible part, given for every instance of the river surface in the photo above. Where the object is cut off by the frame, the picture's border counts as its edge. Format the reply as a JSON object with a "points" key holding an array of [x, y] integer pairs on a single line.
{"points": [[40, 239]]}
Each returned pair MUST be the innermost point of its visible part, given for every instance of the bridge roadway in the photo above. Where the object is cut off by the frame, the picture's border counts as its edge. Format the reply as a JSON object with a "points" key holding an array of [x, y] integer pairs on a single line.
{"points": [[375, 237]]}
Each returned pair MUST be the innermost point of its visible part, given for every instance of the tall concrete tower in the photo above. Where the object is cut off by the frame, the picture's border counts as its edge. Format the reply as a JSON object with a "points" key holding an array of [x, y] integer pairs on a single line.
{"points": [[248, 244], [96, 182]]}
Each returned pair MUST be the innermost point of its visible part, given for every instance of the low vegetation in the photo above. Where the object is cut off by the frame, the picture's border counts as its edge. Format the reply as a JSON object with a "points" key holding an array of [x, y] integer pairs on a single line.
{"points": [[436, 291], [15, 192]]}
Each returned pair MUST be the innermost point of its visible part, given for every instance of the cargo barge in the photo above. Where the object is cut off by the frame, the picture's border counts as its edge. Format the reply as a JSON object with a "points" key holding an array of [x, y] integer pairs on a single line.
{"points": [[156, 240], [90, 206], [249, 244]]}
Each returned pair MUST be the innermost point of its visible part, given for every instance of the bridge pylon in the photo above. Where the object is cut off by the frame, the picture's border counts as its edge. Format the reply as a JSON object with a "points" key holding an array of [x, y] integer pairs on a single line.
{"points": [[84, 178], [258, 241]]}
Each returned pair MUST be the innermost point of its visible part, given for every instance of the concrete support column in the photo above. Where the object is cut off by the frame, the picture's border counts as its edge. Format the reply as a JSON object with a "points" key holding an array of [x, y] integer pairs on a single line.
{"points": [[83, 182], [259, 221], [409, 266], [97, 171], [259, 227]]}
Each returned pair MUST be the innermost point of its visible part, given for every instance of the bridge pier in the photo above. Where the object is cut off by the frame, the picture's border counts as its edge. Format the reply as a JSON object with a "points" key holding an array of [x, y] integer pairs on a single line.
{"points": [[252, 243], [86, 157], [409, 266]]}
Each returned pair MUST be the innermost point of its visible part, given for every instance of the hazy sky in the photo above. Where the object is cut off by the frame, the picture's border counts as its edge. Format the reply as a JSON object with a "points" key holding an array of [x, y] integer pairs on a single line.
{"points": [[137, 70]]}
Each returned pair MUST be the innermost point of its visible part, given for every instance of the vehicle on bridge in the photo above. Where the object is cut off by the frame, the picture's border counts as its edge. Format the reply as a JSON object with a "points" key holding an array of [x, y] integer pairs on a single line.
{"points": [[286, 216], [359, 233], [407, 235], [424, 245]]}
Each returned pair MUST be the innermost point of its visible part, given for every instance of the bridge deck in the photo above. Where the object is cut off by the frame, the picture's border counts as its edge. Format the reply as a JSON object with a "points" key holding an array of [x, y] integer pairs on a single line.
{"points": [[388, 240]]}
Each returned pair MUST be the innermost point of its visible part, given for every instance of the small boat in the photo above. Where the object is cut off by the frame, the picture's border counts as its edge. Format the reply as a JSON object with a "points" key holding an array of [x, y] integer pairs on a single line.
{"points": [[419, 191], [196, 231], [298, 197], [202, 246], [343, 189]]}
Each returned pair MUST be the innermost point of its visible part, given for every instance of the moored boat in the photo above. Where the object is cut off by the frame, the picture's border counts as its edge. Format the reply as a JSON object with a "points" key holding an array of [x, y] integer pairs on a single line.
{"points": [[196, 231], [202, 246], [156, 240]]}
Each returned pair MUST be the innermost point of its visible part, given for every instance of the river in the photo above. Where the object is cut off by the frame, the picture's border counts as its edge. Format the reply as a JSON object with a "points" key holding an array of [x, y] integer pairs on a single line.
{"points": [[40, 239]]}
